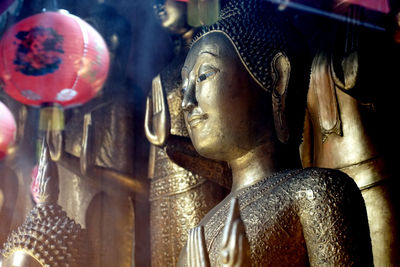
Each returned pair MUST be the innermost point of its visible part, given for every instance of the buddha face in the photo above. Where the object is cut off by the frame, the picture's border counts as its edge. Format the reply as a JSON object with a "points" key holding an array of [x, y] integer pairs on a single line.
{"points": [[172, 14], [221, 101]]}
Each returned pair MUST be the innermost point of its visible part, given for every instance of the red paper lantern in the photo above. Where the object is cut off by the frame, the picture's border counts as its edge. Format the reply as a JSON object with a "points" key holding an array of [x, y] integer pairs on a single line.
{"points": [[53, 58], [7, 129]]}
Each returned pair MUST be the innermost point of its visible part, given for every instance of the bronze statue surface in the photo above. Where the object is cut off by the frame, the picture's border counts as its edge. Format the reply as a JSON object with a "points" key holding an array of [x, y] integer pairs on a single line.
{"points": [[347, 126], [180, 194], [48, 237], [296, 218], [244, 97]]}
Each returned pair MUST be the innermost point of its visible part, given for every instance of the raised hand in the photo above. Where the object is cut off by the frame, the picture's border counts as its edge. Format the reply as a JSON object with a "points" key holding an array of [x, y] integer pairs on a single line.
{"points": [[44, 188], [85, 159], [54, 140], [196, 249], [157, 120], [235, 250]]}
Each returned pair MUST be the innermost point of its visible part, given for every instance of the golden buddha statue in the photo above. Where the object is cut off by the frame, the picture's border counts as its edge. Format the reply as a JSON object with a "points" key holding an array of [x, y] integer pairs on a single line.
{"points": [[183, 185], [244, 83], [96, 158], [346, 126], [47, 237], [16, 168]]}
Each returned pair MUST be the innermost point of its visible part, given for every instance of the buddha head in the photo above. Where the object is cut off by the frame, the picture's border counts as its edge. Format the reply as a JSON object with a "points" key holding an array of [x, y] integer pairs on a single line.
{"points": [[173, 15], [245, 82], [117, 33]]}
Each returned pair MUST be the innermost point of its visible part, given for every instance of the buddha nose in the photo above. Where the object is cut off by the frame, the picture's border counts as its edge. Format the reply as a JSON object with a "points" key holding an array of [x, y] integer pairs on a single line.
{"points": [[189, 99]]}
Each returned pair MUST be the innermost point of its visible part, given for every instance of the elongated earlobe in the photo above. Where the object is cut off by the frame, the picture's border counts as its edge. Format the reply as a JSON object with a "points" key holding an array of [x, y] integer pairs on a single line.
{"points": [[280, 76]]}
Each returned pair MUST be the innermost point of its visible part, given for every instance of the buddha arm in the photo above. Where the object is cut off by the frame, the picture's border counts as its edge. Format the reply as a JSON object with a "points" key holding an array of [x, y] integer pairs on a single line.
{"points": [[334, 220], [306, 147], [181, 151], [110, 176]]}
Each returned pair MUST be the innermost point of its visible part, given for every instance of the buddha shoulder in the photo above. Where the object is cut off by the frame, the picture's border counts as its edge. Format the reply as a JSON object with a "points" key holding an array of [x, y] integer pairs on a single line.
{"points": [[333, 218], [328, 192], [306, 185], [296, 194], [327, 186], [323, 206]]}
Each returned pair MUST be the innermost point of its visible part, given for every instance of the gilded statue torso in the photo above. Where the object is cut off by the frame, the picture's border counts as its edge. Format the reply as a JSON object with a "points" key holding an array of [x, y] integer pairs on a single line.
{"points": [[343, 128], [109, 120], [347, 129], [179, 196], [296, 218]]}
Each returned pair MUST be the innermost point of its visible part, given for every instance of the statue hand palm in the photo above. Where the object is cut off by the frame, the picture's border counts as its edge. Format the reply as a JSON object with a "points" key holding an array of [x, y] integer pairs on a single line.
{"points": [[157, 122], [235, 250], [196, 249], [43, 184]]}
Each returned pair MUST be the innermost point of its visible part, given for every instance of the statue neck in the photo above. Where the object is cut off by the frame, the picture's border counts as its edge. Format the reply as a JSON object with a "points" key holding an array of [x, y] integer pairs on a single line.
{"points": [[262, 162], [182, 42], [254, 166], [187, 37]]}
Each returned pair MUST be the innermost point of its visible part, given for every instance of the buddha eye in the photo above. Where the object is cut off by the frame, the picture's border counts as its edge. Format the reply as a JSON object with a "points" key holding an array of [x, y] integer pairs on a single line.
{"points": [[205, 75], [183, 89], [184, 85]]}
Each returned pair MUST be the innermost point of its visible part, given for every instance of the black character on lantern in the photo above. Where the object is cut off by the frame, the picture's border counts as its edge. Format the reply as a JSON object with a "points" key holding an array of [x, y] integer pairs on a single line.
{"points": [[38, 51]]}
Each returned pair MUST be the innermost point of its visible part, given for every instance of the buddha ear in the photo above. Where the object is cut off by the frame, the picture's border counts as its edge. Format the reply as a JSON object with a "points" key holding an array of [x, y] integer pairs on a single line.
{"points": [[280, 76]]}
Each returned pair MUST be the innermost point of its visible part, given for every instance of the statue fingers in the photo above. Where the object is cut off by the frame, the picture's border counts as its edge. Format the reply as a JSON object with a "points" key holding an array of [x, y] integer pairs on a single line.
{"points": [[161, 123], [85, 160], [229, 254], [157, 121], [159, 100], [55, 145], [197, 255], [241, 245], [233, 214], [190, 249], [196, 260], [234, 244], [54, 142], [201, 241], [235, 248], [43, 169], [149, 106], [43, 185], [148, 124], [43, 160], [158, 96], [239, 256]]}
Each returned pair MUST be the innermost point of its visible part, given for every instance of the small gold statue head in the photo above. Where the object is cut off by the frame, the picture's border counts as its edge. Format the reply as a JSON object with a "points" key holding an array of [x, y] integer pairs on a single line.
{"points": [[245, 82], [173, 15]]}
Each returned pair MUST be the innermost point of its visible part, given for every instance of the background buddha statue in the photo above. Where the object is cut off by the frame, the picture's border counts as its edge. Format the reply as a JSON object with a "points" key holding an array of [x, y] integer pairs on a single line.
{"points": [[244, 83], [15, 169], [48, 237], [96, 167], [184, 186], [348, 126]]}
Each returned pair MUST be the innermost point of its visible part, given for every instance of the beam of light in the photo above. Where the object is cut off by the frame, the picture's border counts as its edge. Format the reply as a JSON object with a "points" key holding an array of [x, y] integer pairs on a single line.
{"points": [[305, 8]]}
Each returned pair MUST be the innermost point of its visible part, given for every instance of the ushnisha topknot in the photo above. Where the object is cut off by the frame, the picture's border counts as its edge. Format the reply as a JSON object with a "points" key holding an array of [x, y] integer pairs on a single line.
{"points": [[50, 237], [258, 32]]}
